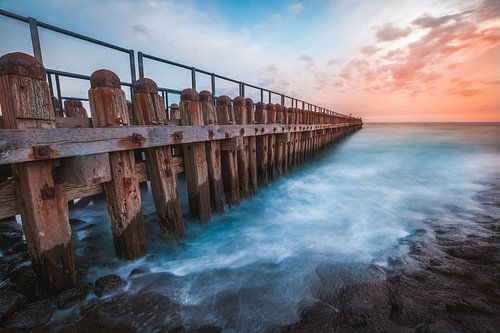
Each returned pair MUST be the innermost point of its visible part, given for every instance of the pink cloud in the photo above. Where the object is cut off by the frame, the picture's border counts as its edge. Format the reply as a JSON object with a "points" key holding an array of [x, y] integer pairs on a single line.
{"points": [[388, 32], [369, 50]]}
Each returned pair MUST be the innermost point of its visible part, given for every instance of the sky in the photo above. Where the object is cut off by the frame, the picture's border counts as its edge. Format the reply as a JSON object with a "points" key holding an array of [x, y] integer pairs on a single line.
{"points": [[385, 61]]}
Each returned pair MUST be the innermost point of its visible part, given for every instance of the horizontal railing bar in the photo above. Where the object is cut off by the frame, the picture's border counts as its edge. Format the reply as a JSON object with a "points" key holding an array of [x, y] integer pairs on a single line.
{"points": [[18, 144]]}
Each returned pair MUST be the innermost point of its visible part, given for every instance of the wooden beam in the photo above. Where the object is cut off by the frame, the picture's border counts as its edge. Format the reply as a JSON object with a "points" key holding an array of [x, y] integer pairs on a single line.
{"points": [[18, 144]]}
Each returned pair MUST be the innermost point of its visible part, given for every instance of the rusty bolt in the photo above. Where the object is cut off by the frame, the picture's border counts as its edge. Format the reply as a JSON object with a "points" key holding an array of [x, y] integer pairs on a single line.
{"points": [[137, 138], [41, 151], [48, 192], [127, 182]]}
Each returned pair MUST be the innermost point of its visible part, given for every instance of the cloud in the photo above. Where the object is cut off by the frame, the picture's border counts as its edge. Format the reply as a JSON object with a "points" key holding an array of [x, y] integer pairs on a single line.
{"points": [[296, 8], [388, 33], [308, 60], [369, 50]]}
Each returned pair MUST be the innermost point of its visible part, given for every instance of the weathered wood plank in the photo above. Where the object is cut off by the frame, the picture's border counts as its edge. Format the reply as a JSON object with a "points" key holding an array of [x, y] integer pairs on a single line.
{"points": [[66, 142]]}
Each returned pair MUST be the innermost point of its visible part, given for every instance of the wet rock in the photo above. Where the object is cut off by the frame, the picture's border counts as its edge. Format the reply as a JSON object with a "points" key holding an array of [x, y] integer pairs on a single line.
{"points": [[70, 297], [146, 311], [34, 315], [136, 272], [10, 302], [109, 284], [76, 222], [9, 238]]}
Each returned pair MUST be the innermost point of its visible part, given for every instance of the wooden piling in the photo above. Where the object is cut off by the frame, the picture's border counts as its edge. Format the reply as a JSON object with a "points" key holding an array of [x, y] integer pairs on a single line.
{"points": [[229, 147], [74, 108], [241, 117], [212, 148], [262, 145], [109, 108], [26, 103], [149, 109], [271, 119], [195, 163], [280, 142], [252, 148]]}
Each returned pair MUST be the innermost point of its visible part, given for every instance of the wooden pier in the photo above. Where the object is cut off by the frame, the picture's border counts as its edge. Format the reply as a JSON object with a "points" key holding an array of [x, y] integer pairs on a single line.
{"points": [[52, 154]]}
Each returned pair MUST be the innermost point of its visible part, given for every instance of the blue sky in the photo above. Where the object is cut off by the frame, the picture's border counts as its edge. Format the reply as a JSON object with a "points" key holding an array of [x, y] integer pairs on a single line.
{"points": [[370, 58]]}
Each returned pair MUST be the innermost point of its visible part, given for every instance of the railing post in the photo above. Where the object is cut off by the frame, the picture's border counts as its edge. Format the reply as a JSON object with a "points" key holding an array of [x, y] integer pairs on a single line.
{"points": [[193, 78], [212, 81], [140, 62], [35, 39]]}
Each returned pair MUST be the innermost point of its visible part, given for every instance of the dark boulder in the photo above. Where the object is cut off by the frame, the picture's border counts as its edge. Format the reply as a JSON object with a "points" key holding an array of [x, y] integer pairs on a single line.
{"points": [[109, 284], [10, 302], [70, 297], [34, 315]]}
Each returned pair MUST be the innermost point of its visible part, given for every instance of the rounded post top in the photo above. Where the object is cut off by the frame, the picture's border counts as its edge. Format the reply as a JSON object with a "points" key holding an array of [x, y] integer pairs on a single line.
{"points": [[238, 101], [189, 95], [145, 85], [248, 102], [223, 100], [278, 107], [18, 63], [174, 106], [205, 96], [270, 106], [260, 106], [104, 78], [73, 102]]}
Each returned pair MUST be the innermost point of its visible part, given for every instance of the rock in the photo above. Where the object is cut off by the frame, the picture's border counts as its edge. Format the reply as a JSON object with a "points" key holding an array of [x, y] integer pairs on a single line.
{"points": [[136, 271], [109, 284], [10, 302], [34, 315], [76, 222], [70, 297], [9, 238], [146, 311]]}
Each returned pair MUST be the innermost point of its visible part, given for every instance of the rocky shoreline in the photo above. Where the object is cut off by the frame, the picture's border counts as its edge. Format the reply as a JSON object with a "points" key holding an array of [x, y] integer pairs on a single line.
{"points": [[449, 282], [453, 284]]}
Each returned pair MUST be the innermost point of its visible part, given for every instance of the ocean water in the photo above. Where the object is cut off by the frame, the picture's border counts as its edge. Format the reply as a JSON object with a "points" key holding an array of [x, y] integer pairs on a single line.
{"points": [[253, 267]]}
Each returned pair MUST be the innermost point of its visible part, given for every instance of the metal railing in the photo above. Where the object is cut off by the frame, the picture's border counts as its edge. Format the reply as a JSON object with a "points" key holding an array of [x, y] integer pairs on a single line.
{"points": [[54, 75]]}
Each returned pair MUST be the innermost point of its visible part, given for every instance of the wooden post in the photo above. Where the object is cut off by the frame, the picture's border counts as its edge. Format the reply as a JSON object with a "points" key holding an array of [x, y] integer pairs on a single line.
{"points": [[262, 148], [109, 108], [271, 119], [280, 140], [56, 104], [212, 148], [26, 103], [229, 147], [195, 163], [149, 109], [74, 108], [252, 148], [240, 112]]}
